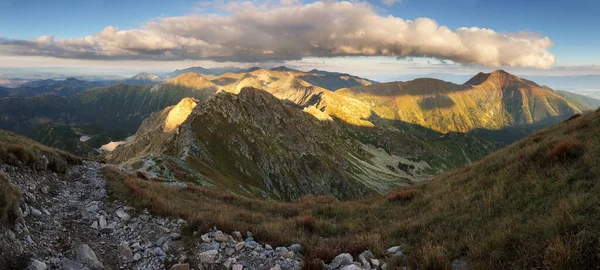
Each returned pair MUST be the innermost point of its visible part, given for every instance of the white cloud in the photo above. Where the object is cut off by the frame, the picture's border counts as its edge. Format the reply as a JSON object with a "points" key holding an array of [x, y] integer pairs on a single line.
{"points": [[390, 2], [291, 31]]}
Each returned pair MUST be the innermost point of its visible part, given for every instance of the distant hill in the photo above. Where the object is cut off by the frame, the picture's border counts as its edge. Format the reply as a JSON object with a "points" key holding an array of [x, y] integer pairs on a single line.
{"points": [[203, 71], [487, 101], [143, 78]]}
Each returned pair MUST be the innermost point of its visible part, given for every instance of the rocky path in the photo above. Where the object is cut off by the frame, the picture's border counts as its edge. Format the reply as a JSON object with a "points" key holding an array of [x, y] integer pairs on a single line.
{"points": [[67, 222]]}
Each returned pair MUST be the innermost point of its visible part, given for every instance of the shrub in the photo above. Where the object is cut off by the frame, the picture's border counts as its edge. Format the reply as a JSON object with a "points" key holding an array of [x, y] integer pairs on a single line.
{"points": [[403, 195], [575, 116], [315, 264], [307, 223], [538, 138], [566, 150], [433, 256]]}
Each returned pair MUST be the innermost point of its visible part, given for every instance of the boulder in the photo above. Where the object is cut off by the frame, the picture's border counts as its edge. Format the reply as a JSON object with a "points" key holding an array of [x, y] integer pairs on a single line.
{"points": [[393, 249], [295, 248], [240, 245], [221, 237], [86, 256], [341, 260], [237, 236], [281, 250], [125, 251], [208, 256], [237, 267], [37, 265], [122, 215], [71, 265]]}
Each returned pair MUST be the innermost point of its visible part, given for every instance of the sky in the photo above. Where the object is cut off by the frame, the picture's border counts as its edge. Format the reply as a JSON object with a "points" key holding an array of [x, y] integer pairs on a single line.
{"points": [[370, 38]]}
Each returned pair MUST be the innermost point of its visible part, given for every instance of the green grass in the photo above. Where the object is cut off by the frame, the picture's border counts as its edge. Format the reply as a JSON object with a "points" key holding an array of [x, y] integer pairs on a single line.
{"points": [[534, 204]]}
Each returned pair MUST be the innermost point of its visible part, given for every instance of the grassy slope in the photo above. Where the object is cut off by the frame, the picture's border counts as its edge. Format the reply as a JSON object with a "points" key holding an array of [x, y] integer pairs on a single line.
{"points": [[532, 204], [21, 152]]}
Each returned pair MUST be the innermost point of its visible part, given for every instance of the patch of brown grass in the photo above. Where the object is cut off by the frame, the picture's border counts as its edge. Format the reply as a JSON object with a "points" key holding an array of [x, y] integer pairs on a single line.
{"points": [[10, 198], [307, 223], [566, 150], [21, 152], [406, 195], [574, 116]]}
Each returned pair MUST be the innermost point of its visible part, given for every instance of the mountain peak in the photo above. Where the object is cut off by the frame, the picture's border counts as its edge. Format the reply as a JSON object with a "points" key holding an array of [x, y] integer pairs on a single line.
{"points": [[179, 113], [499, 77], [284, 68], [192, 80]]}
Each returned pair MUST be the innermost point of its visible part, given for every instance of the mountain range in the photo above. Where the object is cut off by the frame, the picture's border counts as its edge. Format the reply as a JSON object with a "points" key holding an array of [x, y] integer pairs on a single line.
{"points": [[371, 136]]}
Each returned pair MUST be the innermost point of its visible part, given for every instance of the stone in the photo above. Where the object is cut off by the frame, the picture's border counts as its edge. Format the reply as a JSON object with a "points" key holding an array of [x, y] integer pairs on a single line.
{"points": [[276, 267], [384, 266], [29, 240], [210, 246], [71, 265], [240, 245], [122, 215], [102, 222], [375, 263], [365, 257], [460, 264], [125, 251], [237, 267], [295, 248], [248, 234], [93, 208], [12, 235], [181, 222], [351, 267], [159, 252], [281, 250], [37, 265], [95, 225], [86, 256], [205, 238], [288, 255], [45, 189], [268, 247], [341, 260], [228, 263], [137, 257], [107, 230], [229, 251], [136, 246], [175, 236], [181, 266], [237, 236], [208, 256], [393, 249], [221, 237], [36, 212], [162, 240]]}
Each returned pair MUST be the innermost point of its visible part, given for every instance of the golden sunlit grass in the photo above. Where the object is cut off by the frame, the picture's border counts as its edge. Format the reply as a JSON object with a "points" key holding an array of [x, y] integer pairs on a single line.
{"points": [[534, 204]]}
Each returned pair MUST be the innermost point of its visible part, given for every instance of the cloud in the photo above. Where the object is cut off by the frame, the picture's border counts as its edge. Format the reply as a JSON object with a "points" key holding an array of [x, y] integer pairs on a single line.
{"points": [[390, 2], [291, 31]]}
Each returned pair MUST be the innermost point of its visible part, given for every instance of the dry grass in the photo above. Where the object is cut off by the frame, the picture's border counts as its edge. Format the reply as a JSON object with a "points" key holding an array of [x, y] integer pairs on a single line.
{"points": [[21, 152], [521, 207], [10, 198], [403, 195]]}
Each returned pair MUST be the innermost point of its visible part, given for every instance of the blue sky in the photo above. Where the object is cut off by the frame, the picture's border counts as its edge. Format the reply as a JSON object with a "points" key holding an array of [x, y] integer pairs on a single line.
{"points": [[571, 25]]}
